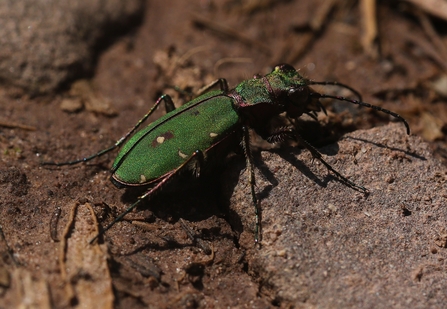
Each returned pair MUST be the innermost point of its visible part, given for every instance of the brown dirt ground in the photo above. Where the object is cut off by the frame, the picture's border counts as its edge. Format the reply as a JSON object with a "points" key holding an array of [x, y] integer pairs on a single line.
{"points": [[49, 214]]}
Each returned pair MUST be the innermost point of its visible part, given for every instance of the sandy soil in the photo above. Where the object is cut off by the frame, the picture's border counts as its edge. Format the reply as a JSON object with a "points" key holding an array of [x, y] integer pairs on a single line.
{"points": [[324, 244]]}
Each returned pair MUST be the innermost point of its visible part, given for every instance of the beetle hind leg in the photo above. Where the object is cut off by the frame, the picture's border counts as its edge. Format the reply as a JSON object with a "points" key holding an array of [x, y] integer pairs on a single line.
{"points": [[222, 82], [169, 105]]}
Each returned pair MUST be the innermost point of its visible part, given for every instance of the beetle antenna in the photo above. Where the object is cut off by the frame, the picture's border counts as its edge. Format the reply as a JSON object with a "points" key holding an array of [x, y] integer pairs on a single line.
{"points": [[360, 103], [357, 94]]}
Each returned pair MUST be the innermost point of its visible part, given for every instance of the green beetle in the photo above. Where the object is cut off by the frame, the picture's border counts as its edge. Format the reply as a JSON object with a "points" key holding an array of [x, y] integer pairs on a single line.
{"points": [[184, 138]]}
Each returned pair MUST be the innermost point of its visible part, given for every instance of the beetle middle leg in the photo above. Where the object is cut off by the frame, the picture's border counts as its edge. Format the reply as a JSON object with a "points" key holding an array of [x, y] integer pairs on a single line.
{"points": [[169, 105], [194, 161]]}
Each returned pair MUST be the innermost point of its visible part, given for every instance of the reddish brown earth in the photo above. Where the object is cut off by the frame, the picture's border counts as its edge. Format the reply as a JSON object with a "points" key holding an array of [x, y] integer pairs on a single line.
{"points": [[76, 77]]}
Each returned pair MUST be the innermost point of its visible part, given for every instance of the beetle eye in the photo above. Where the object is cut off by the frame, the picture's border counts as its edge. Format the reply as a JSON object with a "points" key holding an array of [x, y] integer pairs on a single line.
{"points": [[299, 95], [285, 68]]}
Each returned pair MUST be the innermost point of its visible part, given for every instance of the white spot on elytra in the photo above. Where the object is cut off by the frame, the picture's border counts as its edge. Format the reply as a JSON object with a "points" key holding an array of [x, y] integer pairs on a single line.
{"points": [[160, 139], [142, 179], [213, 134], [181, 154]]}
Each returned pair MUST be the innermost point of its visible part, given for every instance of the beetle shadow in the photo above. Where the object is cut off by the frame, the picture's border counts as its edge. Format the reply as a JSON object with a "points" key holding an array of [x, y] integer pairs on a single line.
{"points": [[238, 166], [229, 177], [290, 154], [137, 260], [166, 243], [383, 146], [185, 197]]}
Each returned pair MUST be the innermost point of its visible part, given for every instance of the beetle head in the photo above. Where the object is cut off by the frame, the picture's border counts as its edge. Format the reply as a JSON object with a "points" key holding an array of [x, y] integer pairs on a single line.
{"points": [[296, 95]]}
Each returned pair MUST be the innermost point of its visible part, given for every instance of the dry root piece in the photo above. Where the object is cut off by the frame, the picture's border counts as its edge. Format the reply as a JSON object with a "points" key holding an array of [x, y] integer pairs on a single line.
{"points": [[83, 266]]}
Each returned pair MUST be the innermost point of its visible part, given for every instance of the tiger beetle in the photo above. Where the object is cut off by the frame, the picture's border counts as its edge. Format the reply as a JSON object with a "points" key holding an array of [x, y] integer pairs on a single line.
{"points": [[184, 138]]}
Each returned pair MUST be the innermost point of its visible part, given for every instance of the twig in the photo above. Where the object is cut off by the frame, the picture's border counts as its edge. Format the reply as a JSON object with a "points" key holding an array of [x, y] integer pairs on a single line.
{"points": [[437, 8], [230, 32], [320, 16], [315, 24], [229, 60], [202, 244], [16, 125], [431, 33], [428, 49], [368, 10]]}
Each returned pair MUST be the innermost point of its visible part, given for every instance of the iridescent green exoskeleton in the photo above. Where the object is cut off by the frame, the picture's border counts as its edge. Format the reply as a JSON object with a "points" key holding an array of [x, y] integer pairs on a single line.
{"points": [[183, 138]]}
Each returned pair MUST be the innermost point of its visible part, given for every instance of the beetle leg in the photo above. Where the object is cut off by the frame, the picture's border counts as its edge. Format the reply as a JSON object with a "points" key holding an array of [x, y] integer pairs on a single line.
{"points": [[313, 115], [199, 160], [169, 105], [252, 181], [280, 135], [223, 84], [197, 156]]}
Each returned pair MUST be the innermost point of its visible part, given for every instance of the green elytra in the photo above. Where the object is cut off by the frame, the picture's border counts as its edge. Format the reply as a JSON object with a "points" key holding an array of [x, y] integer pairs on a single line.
{"points": [[171, 140], [181, 139]]}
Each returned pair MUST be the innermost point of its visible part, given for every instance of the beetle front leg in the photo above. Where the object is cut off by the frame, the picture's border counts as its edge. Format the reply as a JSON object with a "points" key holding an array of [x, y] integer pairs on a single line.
{"points": [[252, 181], [281, 135], [195, 160]]}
